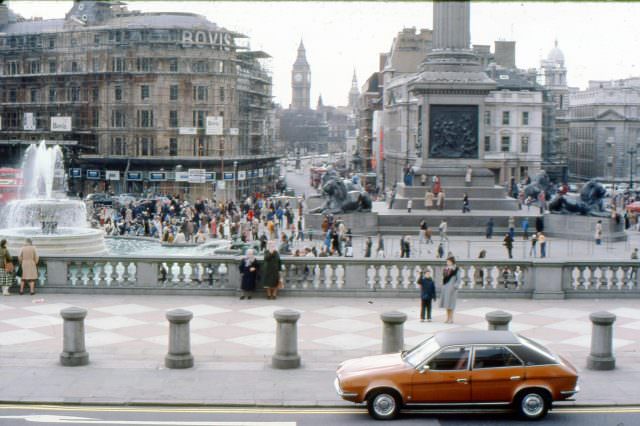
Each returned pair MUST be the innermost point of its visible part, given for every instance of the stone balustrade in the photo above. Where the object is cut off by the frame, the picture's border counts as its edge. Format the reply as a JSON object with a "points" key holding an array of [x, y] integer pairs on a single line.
{"points": [[541, 279]]}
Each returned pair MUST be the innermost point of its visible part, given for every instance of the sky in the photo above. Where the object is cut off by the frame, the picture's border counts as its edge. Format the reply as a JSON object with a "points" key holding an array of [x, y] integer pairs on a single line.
{"points": [[599, 40]]}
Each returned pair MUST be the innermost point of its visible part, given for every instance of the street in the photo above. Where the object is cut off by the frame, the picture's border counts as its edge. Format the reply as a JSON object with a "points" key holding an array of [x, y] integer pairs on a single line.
{"points": [[24, 415]]}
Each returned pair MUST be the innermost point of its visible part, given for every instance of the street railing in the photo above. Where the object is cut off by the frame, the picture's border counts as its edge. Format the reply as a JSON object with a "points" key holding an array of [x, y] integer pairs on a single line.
{"points": [[337, 276]]}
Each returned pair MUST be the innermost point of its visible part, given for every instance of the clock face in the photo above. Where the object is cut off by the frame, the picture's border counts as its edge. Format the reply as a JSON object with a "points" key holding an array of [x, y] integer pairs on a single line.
{"points": [[297, 77]]}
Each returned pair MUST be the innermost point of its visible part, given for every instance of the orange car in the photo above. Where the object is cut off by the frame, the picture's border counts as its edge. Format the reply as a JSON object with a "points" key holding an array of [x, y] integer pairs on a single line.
{"points": [[490, 368]]}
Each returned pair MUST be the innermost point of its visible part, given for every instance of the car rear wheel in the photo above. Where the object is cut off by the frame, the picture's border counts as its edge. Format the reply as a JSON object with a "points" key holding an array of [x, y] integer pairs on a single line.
{"points": [[384, 405], [532, 404]]}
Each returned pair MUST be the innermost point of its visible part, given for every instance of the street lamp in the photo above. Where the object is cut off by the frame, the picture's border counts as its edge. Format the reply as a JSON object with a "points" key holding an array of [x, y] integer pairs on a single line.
{"points": [[632, 156]]}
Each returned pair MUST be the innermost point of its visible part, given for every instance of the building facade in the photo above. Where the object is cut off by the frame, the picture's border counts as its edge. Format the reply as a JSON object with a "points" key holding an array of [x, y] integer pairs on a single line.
{"points": [[604, 131], [138, 99]]}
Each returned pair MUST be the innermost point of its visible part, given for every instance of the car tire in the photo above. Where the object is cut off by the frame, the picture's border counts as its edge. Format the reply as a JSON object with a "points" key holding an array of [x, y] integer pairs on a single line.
{"points": [[384, 404], [532, 404]]}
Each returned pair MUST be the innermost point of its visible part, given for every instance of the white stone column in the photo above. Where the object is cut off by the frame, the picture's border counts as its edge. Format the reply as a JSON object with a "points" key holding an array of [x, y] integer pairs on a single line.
{"points": [[498, 320], [286, 355], [601, 356], [393, 331]]}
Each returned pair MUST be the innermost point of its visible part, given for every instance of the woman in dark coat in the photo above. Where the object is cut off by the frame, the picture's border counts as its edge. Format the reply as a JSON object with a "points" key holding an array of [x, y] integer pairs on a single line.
{"points": [[271, 271], [249, 271]]}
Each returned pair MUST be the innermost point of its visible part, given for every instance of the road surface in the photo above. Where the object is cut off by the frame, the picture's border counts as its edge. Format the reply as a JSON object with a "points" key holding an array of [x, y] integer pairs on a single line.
{"points": [[34, 415]]}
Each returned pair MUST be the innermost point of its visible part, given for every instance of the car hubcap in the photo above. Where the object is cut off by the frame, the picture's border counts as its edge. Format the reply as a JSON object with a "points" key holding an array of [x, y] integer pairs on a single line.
{"points": [[532, 405], [384, 404]]}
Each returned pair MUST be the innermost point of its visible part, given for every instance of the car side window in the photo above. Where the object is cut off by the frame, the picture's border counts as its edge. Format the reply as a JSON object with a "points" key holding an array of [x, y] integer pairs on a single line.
{"points": [[456, 358], [494, 357]]}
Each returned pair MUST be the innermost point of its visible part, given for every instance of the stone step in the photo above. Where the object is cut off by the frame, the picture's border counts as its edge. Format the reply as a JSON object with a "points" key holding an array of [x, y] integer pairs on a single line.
{"points": [[456, 204], [455, 192], [454, 220]]}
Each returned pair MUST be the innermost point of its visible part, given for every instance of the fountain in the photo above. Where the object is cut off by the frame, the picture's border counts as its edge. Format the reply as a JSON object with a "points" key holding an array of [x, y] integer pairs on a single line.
{"points": [[55, 224]]}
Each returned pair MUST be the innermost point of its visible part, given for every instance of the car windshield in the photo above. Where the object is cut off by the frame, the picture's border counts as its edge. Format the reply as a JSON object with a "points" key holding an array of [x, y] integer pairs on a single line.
{"points": [[421, 352]]}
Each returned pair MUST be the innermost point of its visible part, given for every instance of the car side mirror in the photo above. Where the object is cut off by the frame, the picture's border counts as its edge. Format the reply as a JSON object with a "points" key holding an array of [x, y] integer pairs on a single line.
{"points": [[423, 369]]}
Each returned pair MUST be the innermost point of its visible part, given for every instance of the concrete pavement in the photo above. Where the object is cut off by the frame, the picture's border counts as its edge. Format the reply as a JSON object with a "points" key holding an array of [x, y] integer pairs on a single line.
{"points": [[233, 340]]}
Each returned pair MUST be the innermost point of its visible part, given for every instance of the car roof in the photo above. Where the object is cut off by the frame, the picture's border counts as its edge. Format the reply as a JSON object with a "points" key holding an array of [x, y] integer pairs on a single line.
{"points": [[446, 338]]}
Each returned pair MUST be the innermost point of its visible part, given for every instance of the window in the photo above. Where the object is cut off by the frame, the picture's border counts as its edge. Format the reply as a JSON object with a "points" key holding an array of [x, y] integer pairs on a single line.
{"points": [[95, 117], [221, 93], [74, 66], [525, 118], [200, 93], [95, 94], [505, 143], [173, 92], [13, 95], [173, 146], [144, 64], [456, 358], [53, 66], [146, 146], [145, 118], [118, 146], [117, 64], [95, 65], [173, 119], [118, 118], [117, 93], [524, 144], [33, 95], [144, 92], [33, 67], [505, 118], [487, 117], [53, 94], [199, 118], [487, 143], [200, 66], [13, 68], [74, 94], [494, 357], [96, 39], [220, 66], [173, 64], [52, 43]]}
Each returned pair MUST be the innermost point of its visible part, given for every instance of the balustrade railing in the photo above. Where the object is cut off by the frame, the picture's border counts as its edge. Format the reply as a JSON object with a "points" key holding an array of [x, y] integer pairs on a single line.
{"points": [[342, 275]]}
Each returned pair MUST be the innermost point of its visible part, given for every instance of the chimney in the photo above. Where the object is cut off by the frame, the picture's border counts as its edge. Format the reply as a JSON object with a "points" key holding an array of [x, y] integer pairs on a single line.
{"points": [[505, 54]]}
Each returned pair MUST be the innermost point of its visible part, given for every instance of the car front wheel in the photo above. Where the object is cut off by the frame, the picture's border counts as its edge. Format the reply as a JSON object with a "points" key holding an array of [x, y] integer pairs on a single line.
{"points": [[532, 404], [384, 405]]}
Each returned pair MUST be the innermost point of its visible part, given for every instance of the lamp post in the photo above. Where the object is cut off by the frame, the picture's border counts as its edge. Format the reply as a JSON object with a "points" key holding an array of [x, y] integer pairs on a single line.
{"points": [[235, 180], [632, 155]]}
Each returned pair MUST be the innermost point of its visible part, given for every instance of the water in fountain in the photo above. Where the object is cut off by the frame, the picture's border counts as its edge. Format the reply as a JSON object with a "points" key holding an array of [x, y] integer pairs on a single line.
{"points": [[44, 213]]}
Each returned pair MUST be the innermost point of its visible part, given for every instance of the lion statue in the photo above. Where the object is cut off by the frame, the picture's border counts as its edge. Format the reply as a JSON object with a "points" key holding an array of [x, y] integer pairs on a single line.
{"points": [[590, 202], [342, 196]]}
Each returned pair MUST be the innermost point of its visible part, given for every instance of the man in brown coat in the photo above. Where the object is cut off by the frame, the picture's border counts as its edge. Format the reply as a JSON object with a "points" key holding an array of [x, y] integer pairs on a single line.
{"points": [[29, 266]]}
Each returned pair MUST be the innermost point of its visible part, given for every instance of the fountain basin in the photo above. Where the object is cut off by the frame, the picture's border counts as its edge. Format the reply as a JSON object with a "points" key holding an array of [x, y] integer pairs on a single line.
{"points": [[66, 241]]}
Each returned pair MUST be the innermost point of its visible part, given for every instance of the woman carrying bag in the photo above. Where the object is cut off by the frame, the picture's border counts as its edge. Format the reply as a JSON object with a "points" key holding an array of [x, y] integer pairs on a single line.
{"points": [[6, 268], [29, 266]]}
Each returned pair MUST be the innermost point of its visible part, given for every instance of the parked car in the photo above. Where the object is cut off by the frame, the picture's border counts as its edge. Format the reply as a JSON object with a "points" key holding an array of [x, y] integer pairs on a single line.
{"points": [[460, 368]]}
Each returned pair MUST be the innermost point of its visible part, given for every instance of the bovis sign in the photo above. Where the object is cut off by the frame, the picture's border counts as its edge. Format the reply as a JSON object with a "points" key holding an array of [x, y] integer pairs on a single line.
{"points": [[214, 39]]}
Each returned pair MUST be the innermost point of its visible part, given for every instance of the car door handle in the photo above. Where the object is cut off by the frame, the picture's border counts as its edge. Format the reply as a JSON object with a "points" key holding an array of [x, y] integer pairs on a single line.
{"points": [[516, 377], [461, 380]]}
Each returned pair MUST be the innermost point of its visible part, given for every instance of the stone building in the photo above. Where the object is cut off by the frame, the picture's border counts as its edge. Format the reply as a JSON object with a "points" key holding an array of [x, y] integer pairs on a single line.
{"points": [[604, 130], [138, 99], [556, 113]]}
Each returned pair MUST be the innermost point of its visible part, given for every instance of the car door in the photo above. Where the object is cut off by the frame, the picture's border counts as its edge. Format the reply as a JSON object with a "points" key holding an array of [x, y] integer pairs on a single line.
{"points": [[496, 373], [447, 378]]}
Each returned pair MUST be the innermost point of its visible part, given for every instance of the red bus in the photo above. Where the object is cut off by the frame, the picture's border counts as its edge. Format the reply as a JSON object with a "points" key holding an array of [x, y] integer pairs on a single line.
{"points": [[10, 184]]}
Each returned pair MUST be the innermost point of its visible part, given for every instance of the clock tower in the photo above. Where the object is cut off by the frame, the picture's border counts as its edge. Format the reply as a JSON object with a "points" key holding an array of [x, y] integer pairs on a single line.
{"points": [[301, 81]]}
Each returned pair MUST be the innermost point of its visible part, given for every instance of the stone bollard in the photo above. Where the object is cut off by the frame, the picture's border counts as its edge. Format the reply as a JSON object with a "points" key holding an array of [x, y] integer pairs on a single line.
{"points": [[498, 320], [179, 355], [601, 356], [286, 355], [392, 331], [73, 350]]}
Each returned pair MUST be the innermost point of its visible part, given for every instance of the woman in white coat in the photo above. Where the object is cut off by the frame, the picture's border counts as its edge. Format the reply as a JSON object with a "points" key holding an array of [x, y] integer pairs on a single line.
{"points": [[451, 277]]}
